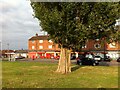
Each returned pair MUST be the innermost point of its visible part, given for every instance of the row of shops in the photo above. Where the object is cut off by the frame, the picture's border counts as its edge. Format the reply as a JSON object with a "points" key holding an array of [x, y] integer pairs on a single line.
{"points": [[49, 55], [40, 47], [56, 54]]}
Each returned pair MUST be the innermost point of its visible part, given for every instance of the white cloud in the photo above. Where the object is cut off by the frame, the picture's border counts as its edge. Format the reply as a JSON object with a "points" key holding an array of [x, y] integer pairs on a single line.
{"points": [[12, 2], [17, 23]]}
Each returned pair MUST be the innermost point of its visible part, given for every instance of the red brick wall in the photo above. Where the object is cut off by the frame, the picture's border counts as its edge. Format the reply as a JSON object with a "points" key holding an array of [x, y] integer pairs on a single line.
{"points": [[45, 45], [89, 45]]}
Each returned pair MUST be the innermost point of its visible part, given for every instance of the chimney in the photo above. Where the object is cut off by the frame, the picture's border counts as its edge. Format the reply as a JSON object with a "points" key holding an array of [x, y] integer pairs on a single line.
{"points": [[36, 34]]}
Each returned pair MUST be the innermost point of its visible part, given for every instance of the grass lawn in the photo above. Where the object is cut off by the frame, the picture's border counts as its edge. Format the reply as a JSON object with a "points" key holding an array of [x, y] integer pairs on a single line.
{"points": [[41, 75]]}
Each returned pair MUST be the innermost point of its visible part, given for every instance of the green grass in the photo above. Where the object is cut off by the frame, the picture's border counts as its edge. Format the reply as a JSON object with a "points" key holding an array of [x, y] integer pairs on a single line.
{"points": [[42, 75]]}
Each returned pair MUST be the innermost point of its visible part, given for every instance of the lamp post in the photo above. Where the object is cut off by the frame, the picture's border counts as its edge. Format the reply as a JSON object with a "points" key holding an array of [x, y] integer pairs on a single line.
{"points": [[8, 46], [0, 48], [104, 47], [0, 64], [7, 49], [117, 27]]}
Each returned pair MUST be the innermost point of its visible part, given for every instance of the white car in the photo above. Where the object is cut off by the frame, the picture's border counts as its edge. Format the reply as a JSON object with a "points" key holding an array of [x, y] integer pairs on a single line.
{"points": [[98, 58], [19, 57]]}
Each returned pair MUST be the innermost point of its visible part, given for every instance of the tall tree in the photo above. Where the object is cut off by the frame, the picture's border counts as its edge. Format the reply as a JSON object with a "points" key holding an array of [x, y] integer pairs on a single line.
{"points": [[71, 24]]}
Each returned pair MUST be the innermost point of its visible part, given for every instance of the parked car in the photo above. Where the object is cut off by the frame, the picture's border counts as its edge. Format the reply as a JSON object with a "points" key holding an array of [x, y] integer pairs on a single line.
{"points": [[118, 60], [83, 60], [87, 61], [80, 57], [107, 58], [73, 57], [19, 57], [98, 58]]}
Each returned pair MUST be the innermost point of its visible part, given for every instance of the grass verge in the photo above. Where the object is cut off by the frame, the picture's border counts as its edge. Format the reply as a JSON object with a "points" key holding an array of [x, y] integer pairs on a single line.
{"points": [[41, 75]]}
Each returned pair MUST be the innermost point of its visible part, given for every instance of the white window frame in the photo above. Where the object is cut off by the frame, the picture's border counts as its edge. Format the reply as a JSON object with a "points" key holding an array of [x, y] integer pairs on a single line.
{"points": [[33, 47], [40, 47], [85, 46], [40, 41], [50, 46], [50, 41]]}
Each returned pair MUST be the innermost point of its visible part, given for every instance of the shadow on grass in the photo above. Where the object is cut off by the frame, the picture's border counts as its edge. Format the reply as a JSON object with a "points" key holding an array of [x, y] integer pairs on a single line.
{"points": [[74, 68]]}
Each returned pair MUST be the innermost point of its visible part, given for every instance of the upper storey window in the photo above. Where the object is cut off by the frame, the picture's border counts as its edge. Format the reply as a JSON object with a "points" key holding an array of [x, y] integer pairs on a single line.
{"points": [[50, 46], [33, 47], [84, 46], [97, 45], [40, 41], [50, 41]]}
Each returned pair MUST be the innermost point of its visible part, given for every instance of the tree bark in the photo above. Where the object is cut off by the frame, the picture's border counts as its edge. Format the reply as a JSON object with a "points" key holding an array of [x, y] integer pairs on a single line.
{"points": [[64, 65]]}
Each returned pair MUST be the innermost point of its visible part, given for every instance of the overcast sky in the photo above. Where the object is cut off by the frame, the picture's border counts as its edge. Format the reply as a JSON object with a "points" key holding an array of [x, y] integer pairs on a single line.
{"points": [[17, 24]]}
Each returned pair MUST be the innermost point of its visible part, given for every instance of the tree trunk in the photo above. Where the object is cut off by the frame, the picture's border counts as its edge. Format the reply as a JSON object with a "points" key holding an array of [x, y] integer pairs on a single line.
{"points": [[64, 65]]}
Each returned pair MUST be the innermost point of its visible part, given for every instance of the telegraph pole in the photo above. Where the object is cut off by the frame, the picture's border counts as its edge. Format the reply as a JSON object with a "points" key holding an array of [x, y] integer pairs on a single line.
{"points": [[8, 46], [0, 49]]}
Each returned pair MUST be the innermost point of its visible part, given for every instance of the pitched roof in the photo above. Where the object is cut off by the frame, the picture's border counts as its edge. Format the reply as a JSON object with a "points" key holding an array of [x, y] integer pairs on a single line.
{"points": [[7, 51], [43, 37], [21, 51]]}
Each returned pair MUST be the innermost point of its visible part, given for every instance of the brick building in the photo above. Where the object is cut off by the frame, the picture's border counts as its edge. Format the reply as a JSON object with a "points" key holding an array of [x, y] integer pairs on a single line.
{"points": [[41, 47], [101, 47]]}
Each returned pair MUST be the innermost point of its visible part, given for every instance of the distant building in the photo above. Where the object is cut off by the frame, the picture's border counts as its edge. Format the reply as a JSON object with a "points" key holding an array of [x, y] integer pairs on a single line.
{"points": [[4, 53], [41, 47], [23, 53], [100, 47]]}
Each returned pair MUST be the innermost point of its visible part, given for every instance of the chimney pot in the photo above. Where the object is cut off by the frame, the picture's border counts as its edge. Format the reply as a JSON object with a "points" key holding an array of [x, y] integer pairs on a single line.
{"points": [[36, 34]]}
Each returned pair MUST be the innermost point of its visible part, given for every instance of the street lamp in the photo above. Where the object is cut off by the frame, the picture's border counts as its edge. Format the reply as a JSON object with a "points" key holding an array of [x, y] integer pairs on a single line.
{"points": [[8, 46], [104, 47], [117, 26], [0, 48]]}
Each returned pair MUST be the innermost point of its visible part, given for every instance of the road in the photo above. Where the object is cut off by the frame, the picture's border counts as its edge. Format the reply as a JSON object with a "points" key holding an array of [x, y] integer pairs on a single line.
{"points": [[102, 63]]}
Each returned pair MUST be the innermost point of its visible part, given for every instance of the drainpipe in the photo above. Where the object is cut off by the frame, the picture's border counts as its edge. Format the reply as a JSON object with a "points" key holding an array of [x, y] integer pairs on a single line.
{"points": [[104, 48]]}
